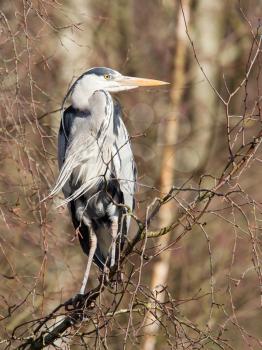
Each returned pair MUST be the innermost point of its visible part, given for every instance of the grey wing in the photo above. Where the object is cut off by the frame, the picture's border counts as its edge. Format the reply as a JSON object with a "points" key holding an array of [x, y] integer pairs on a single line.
{"points": [[63, 143], [123, 160]]}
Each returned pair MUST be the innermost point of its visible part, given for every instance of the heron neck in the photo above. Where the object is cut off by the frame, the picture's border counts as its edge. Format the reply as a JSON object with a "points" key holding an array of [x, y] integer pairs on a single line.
{"points": [[80, 98]]}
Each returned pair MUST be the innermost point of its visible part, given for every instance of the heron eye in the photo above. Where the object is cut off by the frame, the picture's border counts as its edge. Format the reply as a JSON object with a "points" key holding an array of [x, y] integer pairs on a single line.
{"points": [[106, 76]]}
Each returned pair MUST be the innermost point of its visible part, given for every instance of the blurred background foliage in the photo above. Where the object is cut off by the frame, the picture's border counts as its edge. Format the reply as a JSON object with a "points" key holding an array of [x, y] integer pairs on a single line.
{"points": [[181, 136]]}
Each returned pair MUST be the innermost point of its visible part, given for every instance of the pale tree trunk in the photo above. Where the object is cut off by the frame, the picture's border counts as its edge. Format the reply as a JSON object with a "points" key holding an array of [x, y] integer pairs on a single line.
{"points": [[75, 49], [207, 24], [161, 267], [207, 33]]}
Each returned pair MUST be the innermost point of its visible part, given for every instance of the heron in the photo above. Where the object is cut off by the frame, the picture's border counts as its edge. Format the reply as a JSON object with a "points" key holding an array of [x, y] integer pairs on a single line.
{"points": [[97, 170]]}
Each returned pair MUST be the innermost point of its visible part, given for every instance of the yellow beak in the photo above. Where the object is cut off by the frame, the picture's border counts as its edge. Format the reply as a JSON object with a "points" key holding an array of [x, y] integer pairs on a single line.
{"points": [[133, 81]]}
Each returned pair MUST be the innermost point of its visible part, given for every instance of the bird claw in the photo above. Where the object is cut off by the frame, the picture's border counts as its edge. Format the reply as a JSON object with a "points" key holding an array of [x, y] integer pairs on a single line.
{"points": [[112, 283], [76, 303], [104, 277], [119, 278]]}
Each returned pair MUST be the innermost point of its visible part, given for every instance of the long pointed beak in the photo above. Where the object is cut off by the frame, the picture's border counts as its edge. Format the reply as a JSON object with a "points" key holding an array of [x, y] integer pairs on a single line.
{"points": [[133, 81]]}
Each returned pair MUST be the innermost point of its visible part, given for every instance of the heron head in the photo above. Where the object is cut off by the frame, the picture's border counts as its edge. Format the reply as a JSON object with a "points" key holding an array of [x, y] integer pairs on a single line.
{"points": [[102, 78]]}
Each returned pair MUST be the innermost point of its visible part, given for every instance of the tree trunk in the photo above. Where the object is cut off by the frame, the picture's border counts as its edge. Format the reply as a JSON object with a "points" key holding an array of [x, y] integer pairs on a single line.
{"points": [[161, 267]]}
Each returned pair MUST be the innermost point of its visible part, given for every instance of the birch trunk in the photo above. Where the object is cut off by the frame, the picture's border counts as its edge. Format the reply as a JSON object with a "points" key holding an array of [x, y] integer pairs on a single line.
{"points": [[161, 267]]}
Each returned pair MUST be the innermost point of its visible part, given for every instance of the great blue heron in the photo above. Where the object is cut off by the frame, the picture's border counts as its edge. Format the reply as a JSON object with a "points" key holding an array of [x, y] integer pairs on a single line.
{"points": [[97, 168]]}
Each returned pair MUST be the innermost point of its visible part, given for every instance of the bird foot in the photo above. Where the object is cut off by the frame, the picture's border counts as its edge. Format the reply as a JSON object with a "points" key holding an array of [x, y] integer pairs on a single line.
{"points": [[104, 278], [119, 277], [77, 302]]}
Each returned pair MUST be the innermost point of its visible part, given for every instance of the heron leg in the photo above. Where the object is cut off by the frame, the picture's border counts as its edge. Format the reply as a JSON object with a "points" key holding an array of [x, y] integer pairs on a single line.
{"points": [[114, 228], [93, 245]]}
